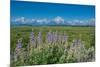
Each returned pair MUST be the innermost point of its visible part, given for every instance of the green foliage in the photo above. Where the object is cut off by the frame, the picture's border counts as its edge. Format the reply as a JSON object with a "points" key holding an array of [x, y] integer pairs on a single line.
{"points": [[54, 53]]}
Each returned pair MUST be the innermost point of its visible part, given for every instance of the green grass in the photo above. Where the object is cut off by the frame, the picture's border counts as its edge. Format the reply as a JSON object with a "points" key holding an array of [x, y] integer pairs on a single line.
{"points": [[87, 34], [44, 56]]}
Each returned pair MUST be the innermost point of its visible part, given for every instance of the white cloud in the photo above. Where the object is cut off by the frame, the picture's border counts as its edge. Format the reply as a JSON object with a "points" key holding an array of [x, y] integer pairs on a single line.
{"points": [[59, 19], [32, 20], [76, 20], [16, 20], [19, 19], [84, 22], [91, 21], [22, 20], [81, 21], [41, 21]]}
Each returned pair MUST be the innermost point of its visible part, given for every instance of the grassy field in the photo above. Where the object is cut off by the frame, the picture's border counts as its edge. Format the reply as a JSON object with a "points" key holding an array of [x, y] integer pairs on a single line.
{"points": [[86, 34]]}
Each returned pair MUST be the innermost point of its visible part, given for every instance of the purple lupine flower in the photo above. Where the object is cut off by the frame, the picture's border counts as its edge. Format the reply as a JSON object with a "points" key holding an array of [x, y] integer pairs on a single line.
{"points": [[32, 37], [49, 37], [52, 37], [39, 38], [76, 42], [55, 37], [19, 44], [18, 49]]}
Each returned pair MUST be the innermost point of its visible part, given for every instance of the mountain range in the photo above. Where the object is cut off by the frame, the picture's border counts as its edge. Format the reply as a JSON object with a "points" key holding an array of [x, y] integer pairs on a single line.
{"points": [[55, 21]]}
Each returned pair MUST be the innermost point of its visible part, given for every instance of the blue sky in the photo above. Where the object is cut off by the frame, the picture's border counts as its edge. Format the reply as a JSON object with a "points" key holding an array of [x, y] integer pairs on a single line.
{"points": [[39, 10]]}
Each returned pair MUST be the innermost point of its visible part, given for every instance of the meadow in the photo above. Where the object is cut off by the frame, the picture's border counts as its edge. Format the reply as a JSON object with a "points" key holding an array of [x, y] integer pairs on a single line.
{"points": [[31, 45]]}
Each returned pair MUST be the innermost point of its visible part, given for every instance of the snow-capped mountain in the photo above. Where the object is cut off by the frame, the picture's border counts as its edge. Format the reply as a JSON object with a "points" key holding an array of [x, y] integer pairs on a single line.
{"points": [[55, 21]]}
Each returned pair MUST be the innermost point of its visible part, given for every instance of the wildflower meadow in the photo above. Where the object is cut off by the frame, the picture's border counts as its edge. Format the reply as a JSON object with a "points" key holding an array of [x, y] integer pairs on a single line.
{"points": [[51, 45]]}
